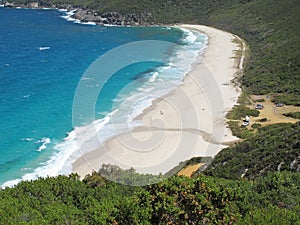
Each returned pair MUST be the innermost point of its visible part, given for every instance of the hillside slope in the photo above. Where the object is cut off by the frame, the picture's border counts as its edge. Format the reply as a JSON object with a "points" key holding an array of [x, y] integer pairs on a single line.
{"points": [[273, 148]]}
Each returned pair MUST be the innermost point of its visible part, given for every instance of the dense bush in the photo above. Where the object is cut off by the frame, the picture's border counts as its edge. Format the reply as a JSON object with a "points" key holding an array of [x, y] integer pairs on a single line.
{"points": [[288, 99], [239, 130], [295, 115], [273, 148], [240, 111], [256, 125], [178, 200]]}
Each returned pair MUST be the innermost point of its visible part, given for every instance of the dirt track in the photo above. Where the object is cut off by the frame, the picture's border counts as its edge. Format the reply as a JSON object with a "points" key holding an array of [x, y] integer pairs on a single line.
{"points": [[189, 170]]}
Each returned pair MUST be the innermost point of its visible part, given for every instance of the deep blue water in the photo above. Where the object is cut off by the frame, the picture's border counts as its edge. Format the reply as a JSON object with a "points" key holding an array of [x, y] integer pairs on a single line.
{"points": [[43, 57]]}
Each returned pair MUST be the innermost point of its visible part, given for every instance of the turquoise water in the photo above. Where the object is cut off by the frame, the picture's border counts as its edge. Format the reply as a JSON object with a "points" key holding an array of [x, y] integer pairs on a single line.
{"points": [[43, 58]]}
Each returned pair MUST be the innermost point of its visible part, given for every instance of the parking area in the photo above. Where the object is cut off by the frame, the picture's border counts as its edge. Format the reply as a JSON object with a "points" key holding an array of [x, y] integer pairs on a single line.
{"points": [[271, 113]]}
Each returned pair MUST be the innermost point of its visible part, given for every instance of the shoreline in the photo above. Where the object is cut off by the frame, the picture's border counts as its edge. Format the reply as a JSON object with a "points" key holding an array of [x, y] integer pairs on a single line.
{"points": [[187, 122]]}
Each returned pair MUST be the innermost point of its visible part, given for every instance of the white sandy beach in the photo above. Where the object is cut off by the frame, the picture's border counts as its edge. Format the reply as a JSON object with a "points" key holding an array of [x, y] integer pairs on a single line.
{"points": [[188, 122]]}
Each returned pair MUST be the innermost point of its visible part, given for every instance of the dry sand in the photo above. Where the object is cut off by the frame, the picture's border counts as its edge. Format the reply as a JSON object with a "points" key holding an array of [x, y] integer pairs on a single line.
{"points": [[189, 170], [189, 121]]}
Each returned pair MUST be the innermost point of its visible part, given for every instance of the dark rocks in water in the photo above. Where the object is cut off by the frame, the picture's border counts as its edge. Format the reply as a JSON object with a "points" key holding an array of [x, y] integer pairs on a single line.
{"points": [[114, 18], [33, 4], [88, 15], [9, 5]]}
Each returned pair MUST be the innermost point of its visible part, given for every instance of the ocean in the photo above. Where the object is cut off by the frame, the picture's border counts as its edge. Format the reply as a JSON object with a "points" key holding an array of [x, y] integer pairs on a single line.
{"points": [[45, 63]]}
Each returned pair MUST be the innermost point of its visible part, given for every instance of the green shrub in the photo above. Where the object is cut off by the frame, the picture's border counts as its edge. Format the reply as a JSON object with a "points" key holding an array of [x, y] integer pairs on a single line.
{"points": [[263, 120], [260, 100], [256, 125], [295, 115], [239, 131], [287, 99], [241, 111]]}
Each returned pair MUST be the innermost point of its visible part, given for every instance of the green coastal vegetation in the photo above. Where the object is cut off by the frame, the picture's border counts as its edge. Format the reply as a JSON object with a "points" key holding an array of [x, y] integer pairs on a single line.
{"points": [[272, 148], [271, 199], [255, 181], [295, 115], [239, 111]]}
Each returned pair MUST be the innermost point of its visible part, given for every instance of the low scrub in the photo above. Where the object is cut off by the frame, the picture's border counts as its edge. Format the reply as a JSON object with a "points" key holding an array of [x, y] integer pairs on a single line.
{"points": [[295, 115], [240, 111]]}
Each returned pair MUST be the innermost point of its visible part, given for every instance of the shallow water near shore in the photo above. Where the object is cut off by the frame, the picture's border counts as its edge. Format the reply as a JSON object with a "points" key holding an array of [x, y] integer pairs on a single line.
{"points": [[43, 58]]}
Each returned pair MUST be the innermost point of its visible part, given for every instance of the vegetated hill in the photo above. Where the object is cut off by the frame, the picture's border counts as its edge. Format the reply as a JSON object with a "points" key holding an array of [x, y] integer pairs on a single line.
{"points": [[273, 148], [273, 199], [272, 30]]}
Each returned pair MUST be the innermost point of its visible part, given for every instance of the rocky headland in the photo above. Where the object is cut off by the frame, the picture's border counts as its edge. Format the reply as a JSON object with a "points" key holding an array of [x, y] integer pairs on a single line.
{"points": [[89, 15]]}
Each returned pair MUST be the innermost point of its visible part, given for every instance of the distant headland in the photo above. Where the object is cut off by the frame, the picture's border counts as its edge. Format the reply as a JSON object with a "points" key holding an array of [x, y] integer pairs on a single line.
{"points": [[86, 15]]}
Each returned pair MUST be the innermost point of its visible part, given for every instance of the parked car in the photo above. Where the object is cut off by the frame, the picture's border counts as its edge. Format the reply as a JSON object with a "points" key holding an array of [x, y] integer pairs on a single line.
{"points": [[259, 106], [279, 104]]}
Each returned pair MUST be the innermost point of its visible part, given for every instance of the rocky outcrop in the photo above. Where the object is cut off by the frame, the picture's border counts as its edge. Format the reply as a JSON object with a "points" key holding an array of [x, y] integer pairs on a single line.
{"points": [[33, 5], [38, 4], [114, 18], [8, 4], [88, 15]]}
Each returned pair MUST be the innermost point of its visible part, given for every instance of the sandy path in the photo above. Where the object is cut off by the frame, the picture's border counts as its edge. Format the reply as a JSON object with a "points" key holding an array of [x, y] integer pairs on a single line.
{"points": [[189, 170]]}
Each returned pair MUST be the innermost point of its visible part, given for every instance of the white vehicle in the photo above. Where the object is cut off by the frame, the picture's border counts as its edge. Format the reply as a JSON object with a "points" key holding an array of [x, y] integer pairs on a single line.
{"points": [[245, 123]]}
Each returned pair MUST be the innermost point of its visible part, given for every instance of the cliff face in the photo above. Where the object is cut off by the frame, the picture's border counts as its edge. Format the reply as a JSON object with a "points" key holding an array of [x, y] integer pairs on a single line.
{"points": [[87, 15]]}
